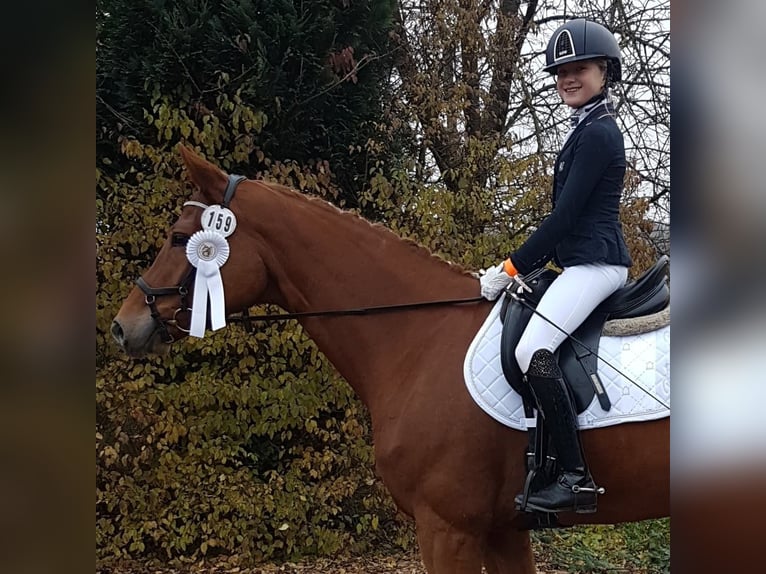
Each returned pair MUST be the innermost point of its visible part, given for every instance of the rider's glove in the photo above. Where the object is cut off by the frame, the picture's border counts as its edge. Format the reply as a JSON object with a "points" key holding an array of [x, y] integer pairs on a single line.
{"points": [[496, 279]]}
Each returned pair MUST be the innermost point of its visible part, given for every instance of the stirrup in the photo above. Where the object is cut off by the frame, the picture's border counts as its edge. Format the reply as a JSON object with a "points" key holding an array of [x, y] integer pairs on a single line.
{"points": [[589, 508], [535, 473], [598, 489]]}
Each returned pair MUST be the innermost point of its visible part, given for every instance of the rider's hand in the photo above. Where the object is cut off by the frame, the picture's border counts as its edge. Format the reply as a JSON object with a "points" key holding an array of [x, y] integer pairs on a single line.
{"points": [[494, 281]]}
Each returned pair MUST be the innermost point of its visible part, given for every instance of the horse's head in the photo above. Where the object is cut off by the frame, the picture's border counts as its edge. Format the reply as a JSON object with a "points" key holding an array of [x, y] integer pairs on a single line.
{"points": [[157, 311]]}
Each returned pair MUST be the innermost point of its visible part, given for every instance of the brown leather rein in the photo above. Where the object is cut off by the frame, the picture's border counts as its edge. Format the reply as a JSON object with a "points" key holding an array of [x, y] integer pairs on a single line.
{"points": [[246, 318]]}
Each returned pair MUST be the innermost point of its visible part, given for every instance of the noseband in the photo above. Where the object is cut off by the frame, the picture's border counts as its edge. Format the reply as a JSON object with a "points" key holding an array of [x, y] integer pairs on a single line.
{"points": [[150, 297], [182, 289]]}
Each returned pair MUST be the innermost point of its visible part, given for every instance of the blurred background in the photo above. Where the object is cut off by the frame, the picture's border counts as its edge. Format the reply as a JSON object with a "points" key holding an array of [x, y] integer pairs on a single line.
{"points": [[719, 310]]}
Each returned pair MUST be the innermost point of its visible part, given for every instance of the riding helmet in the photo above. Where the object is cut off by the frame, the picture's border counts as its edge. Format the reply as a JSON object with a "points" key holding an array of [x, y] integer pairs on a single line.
{"points": [[583, 40]]}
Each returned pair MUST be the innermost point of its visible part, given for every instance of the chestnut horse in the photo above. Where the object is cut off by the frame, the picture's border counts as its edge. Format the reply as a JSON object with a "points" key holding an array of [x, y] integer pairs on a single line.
{"points": [[446, 463]]}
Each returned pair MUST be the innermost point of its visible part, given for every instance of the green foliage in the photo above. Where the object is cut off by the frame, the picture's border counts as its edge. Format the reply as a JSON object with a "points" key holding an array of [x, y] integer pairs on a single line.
{"points": [[315, 69], [633, 547], [461, 225], [223, 447]]}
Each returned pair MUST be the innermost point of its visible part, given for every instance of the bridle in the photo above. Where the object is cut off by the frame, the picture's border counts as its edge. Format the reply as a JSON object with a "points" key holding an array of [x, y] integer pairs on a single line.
{"points": [[150, 298], [182, 289]]}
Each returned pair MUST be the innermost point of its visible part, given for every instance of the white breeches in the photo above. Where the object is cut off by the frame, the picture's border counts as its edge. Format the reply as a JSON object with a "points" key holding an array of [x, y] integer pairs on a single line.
{"points": [[575, 293]]}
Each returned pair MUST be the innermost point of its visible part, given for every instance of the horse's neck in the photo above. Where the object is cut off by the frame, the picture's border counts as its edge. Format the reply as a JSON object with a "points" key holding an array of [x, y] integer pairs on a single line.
{"points": [[322, 258]]}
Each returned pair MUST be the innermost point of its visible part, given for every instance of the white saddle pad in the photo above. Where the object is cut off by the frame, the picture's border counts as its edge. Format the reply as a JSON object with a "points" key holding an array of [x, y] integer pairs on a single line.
{"points": [[644, 358]]}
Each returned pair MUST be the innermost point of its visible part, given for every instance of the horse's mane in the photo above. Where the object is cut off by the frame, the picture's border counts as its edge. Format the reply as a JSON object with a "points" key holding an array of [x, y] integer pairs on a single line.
{"points": [[378, 227]]}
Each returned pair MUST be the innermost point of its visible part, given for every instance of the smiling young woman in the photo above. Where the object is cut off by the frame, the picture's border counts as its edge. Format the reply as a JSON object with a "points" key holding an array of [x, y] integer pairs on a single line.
{"points": [[583, 236]]}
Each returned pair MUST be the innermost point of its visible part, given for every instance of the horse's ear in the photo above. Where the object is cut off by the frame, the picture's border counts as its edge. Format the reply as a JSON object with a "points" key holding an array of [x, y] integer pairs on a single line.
{"points": [[209, 178]]}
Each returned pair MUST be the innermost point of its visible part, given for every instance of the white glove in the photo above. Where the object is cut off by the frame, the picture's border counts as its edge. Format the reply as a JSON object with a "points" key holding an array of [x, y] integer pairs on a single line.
{"points": [[494, 282]]}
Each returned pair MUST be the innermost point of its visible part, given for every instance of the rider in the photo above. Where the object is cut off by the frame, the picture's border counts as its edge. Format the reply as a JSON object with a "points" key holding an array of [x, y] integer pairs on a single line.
{"points": [[582, 234]]}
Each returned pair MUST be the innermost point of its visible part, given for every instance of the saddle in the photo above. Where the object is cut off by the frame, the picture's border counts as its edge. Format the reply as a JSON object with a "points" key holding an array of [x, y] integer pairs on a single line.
{"points": [[577, 357], [577, 354]]}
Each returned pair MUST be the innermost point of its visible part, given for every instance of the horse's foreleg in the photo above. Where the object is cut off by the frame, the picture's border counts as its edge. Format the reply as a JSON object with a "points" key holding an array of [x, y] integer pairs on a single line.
{"points": [[509, 551], [446, 548]]}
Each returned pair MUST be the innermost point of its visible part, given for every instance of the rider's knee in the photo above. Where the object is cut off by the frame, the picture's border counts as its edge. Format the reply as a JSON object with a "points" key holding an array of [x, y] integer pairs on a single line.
{"points": [[543, 364]]}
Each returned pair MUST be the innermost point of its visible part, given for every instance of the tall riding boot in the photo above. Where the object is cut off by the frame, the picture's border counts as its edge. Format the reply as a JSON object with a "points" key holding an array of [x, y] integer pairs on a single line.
{"points": [[574, 488]]}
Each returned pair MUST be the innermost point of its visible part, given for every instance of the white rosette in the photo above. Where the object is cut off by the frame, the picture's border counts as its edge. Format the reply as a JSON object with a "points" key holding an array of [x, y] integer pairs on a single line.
{"points": [[207, 251]]}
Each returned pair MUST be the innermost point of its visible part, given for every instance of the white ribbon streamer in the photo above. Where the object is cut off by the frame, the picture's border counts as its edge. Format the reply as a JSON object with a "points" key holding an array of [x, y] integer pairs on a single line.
{"points": [[207, 251]]}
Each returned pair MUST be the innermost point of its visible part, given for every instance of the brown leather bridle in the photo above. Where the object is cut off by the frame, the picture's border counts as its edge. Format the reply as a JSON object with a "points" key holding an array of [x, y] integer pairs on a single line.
{"points": [[182, 289]]}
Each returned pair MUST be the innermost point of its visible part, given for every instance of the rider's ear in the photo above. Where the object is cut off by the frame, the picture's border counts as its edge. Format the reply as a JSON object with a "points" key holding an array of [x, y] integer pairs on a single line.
{"points": [[210, 179]]}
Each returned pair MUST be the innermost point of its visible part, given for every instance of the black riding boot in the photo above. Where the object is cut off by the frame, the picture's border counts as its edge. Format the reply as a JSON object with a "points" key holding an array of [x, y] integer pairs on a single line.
{"points": [[574, 488]]}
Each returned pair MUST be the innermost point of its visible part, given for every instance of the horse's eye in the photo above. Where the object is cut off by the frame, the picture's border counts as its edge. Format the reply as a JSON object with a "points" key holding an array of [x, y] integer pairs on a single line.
{"points": [[179, 240]]}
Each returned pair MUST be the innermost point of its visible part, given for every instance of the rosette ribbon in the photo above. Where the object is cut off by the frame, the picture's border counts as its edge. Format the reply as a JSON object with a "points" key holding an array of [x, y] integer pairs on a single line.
{"points": [[207, 251]]}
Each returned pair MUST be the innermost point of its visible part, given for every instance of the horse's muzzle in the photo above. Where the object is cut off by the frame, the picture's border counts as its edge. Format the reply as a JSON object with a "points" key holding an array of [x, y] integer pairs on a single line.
{"points": [[138, 340]]}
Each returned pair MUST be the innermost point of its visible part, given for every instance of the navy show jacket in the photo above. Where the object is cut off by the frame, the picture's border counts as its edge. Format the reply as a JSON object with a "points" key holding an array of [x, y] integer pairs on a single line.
{"points": [[584, 225]]}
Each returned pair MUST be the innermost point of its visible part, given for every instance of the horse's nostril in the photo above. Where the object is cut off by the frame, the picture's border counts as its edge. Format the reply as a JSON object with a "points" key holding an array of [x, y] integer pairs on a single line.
{"points": [[117, 332]]}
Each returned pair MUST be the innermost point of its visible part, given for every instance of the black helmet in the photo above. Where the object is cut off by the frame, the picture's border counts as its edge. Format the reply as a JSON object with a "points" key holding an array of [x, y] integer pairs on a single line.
{"points": [[583, 40]]}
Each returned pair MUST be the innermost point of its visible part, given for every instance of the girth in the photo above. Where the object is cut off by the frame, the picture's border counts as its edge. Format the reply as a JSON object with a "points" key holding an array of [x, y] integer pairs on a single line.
{"points": [[646, 295]]}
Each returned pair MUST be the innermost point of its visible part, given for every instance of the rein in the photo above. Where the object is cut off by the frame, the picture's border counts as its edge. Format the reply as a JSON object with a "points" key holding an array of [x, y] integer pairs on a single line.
{"points": [[246, 319]]}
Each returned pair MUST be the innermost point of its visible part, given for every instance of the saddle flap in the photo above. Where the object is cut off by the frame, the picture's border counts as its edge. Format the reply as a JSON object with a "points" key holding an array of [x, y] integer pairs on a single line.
{"points": [[580, 366]]}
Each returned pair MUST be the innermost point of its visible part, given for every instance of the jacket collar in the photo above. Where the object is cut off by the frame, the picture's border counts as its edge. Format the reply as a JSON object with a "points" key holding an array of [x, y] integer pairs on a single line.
{"points": [[587, 113]]}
